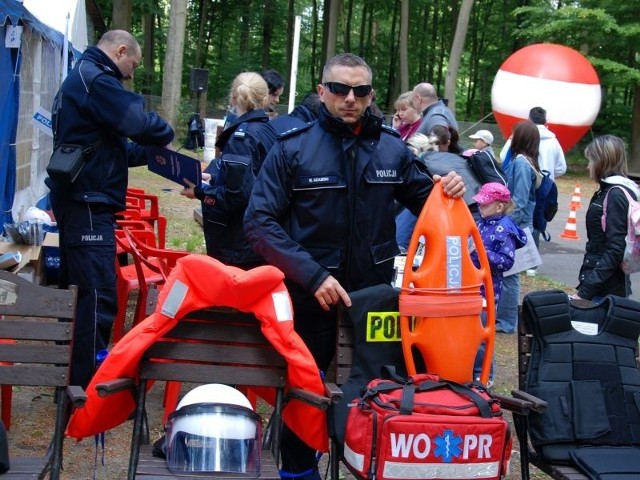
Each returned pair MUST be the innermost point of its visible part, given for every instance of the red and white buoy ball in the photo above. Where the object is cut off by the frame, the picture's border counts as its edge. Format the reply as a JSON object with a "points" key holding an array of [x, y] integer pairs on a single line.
{"points": [[554, 77]]}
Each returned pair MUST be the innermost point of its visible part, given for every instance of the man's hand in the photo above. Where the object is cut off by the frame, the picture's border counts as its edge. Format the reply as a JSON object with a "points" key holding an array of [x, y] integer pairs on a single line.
{"points": [[452, 184], [330, 293], [189, 191]]}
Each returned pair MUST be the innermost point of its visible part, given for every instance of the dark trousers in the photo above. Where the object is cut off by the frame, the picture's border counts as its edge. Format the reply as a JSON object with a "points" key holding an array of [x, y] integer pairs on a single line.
{"points": [[87, 259], [317, 329]]}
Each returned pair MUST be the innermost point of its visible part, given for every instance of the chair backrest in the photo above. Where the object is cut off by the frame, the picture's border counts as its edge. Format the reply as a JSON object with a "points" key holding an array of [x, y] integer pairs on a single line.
{"points": [[41, 355], [221, 345], [441, 301], [344, 349], [36, 337], [144, 252], [144, 201], [147, 259], [149, 209]]}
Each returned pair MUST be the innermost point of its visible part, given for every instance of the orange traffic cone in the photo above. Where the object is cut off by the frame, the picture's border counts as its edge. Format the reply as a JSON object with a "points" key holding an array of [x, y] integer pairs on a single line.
{"points": [[570, 228], [575, 199]]}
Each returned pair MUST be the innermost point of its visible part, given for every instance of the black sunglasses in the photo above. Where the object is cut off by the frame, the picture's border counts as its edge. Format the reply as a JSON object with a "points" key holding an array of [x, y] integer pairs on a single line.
{"points": [[343, 90]]}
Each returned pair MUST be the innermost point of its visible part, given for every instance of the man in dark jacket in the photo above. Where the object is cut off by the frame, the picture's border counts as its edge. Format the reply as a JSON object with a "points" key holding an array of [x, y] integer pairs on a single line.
{"points": [[307, 111], [322, 211], [434, 111], [94, 110]]}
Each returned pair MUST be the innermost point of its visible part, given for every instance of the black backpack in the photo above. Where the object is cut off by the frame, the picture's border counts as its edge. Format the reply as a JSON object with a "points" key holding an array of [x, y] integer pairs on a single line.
{"points": [[546, 205], [486, 168]]}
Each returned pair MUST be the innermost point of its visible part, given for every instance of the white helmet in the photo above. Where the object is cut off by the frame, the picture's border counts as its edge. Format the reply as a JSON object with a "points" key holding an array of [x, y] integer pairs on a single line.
{"points": [[217, 391], [214, 429], [35, 215]]}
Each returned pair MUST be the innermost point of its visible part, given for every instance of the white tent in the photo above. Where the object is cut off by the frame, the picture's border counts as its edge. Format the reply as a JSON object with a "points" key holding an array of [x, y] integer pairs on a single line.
{"points": [[32, 70], [54, 14]]}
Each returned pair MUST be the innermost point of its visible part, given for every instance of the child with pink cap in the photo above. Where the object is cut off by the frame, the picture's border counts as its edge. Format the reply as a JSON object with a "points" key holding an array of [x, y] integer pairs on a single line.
{"points": [[501, 237]]}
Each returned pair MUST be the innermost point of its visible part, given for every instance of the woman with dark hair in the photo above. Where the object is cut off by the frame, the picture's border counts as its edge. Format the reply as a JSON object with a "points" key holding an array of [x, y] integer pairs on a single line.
{"points": [[523, 177], [275, 83], [601, 274], [447, 138]]}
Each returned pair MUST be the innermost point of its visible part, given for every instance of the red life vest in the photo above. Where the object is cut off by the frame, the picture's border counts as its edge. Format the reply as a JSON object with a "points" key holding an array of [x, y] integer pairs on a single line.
{"points": [[199, 282]]}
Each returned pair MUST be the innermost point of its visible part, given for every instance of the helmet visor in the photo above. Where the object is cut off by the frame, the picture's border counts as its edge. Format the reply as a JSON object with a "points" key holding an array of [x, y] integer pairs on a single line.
{"points": [[213, 438]]}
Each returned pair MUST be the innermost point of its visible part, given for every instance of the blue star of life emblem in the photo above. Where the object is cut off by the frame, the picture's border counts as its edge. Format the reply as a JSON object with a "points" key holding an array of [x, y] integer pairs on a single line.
{"points": [[448, 446]]}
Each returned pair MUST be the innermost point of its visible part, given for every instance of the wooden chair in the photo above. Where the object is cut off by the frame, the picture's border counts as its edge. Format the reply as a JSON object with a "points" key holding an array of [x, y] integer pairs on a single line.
{"points": [[221, 346], [39, 356]]}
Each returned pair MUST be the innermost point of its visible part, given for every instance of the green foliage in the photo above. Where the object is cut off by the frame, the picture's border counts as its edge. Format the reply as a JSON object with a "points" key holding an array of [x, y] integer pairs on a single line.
{"points": [[571, 26], [613, 72], [230, 38]]}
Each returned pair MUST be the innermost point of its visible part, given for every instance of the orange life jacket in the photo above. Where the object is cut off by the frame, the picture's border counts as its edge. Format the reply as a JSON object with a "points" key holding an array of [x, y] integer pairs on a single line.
{"points": [[195, 283]]}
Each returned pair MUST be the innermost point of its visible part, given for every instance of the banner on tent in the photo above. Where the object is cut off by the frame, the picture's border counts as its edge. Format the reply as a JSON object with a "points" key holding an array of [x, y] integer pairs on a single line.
{"points": [[42, 121]]}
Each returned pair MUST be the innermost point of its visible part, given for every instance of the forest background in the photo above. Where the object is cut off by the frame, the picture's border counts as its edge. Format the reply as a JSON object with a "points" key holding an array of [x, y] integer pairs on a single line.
{"points": [[457, 45]]}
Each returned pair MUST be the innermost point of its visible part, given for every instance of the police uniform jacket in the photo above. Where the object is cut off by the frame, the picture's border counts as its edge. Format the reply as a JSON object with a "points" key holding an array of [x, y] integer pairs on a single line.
{"points": [[92, 107], [298, 118], [244, 146], [323, 202], [601, 274]]}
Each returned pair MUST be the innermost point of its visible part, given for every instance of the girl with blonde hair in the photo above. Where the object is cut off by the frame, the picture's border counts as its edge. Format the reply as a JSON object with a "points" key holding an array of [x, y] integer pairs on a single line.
{"points": [[406, 119], [229, 179]]}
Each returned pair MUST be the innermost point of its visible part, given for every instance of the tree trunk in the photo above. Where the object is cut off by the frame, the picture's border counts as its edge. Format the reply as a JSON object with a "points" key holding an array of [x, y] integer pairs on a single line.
{"points": [[291, 19], [172, 77], [201, 46], [121, 15], [267, 32], [392, 80], [202, 32], [315, 60], [149, 53], [121, 20], [456, 53], [347, 27], [245, 30], [160, 51], [332, 30], [363, 26], [404, 36]]}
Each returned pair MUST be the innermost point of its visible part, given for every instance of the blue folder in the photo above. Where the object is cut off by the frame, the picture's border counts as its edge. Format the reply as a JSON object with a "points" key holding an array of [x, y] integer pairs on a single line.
{"points": [[174, 166]]}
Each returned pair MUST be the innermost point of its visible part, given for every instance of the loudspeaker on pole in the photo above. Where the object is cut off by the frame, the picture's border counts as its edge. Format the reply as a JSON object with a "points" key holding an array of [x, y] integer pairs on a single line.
{"points": [[199, 80]]}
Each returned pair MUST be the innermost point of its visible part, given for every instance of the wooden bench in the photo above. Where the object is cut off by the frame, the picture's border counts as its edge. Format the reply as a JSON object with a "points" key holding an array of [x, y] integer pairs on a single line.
{"points": [[37, 352], [210, 346]]}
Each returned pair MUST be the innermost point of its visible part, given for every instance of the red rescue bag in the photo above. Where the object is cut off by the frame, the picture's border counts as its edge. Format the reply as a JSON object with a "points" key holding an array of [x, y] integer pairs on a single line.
{"points": [[426, 427]]}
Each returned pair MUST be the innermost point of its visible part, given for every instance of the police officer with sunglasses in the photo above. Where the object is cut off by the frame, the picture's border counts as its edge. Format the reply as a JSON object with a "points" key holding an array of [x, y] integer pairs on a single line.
{"points": [[322, 211]]}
